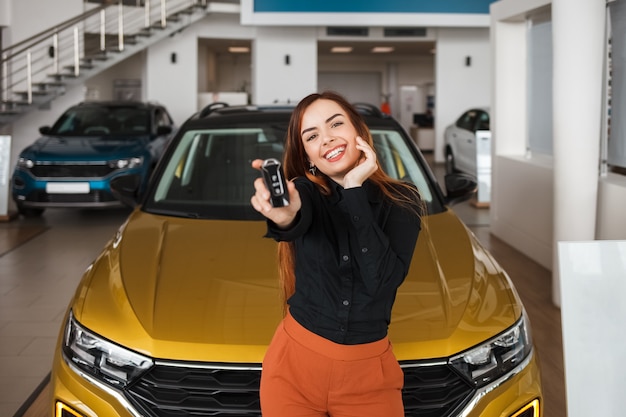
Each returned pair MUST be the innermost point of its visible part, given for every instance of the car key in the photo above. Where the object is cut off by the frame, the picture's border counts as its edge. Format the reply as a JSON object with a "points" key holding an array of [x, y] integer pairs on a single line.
{"points": [[275, 181]]}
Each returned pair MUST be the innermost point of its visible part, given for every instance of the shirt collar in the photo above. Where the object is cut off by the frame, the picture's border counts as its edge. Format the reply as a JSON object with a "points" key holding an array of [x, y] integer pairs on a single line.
{"points": [[374, 195]]}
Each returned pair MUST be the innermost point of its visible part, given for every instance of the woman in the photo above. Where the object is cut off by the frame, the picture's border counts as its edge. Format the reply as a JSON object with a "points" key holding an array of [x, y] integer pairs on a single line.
{"points": [[345, 245]]}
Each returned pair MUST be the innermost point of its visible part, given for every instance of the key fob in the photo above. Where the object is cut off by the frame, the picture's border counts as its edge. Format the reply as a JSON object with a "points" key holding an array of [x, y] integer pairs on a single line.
{"points": [[275, 181]]}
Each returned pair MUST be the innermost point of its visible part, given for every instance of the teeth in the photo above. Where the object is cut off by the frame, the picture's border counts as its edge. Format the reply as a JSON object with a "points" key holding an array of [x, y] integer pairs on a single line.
{"points": [[334, 153]]}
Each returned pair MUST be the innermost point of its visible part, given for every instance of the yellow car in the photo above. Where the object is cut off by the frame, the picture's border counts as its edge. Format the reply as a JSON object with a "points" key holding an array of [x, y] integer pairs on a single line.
{"points": [[174, 316]]}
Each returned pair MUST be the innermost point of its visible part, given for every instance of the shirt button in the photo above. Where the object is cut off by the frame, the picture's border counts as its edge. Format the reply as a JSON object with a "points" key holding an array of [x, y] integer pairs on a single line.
{"points": [[355, 218], [345, 258], [364, 250], [346, 302], [343, 329]]}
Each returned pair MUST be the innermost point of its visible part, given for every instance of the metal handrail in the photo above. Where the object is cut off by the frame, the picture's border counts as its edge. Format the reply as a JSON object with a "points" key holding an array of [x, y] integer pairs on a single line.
{"points": [[42, 60], [46, 33]]}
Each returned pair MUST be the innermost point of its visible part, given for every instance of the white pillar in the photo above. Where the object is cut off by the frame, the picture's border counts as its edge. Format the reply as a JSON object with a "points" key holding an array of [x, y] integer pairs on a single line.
{"points": [[284, 64], [393, 89], [578, 44]]}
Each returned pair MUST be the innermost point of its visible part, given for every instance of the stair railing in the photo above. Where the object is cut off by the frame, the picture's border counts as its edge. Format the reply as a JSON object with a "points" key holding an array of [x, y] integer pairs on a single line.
{"points": [[37, 66]]}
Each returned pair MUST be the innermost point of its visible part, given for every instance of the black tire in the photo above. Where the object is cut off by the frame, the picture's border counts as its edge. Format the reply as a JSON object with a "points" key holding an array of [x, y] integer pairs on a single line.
{"points": [[29, 211], [450, 165]]}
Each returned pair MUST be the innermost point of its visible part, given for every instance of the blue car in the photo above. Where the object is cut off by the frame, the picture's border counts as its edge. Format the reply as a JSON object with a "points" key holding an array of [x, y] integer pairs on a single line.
{"points": [[73, 162]]}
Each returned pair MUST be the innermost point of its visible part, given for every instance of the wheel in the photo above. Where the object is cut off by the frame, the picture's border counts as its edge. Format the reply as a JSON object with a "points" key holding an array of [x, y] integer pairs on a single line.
{"points": [[29, 211], [450, 166]]}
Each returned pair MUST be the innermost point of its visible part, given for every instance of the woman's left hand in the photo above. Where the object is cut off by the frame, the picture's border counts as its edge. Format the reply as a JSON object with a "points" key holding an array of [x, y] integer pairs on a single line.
{"points": [[364, 168]]}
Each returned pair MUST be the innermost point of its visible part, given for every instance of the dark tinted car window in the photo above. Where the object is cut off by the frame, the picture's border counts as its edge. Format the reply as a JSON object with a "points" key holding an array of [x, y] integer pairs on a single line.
{"points": [[483, 121], [103, 120], [163, 118], [467, 121], [207, 171]]}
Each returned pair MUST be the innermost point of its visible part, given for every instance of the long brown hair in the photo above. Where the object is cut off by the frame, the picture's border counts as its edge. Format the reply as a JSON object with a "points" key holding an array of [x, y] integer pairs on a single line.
{"points": [[296, 164]]}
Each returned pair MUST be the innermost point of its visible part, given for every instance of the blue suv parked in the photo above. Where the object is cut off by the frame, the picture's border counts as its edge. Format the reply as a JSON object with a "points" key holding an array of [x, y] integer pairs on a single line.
{"points": [[73, 162]]}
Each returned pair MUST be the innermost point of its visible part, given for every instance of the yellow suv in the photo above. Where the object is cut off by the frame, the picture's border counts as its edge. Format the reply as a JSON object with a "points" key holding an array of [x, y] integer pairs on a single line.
{"points": [[174, 316]]}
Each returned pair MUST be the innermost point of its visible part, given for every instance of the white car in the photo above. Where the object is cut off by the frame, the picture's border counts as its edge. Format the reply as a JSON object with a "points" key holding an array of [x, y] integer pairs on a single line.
{"points": [[461, 142]]}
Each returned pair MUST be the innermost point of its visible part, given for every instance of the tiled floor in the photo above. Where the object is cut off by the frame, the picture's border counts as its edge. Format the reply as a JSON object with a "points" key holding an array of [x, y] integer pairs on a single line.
{"points": [[37, 279], [41, 261]]}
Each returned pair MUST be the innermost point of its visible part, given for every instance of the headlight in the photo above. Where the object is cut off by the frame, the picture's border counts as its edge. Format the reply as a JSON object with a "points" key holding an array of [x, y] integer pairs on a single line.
{"points": [[497, 357], [25, 163], [126, 162], [100, 358]]}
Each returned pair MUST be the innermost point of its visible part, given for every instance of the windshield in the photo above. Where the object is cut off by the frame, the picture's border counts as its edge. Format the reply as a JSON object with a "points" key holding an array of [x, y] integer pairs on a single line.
{"points": [[103, 120], [208, 172]]}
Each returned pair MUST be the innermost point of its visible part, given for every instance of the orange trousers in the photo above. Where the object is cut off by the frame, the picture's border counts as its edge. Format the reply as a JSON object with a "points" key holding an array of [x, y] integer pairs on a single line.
{"points": [[307, 375]]}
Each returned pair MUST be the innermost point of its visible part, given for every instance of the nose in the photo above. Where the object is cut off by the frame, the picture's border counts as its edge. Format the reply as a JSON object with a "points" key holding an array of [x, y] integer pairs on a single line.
{"points": [[327, 138]]}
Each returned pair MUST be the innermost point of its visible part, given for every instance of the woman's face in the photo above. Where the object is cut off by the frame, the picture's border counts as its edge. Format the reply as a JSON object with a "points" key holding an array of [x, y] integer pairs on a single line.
{"points": [[329, 139]]}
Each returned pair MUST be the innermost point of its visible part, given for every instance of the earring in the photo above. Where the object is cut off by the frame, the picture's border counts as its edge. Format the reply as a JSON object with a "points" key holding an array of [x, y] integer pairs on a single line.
{"points": [[312, 169]]}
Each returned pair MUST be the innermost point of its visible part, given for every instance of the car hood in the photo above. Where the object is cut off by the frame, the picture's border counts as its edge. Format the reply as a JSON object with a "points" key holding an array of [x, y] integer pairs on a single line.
{"points": [[206, 290], [85, 147]]}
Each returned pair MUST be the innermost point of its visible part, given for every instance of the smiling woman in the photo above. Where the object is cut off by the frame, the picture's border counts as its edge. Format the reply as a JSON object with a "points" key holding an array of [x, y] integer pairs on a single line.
{"points": [[201, 297]]}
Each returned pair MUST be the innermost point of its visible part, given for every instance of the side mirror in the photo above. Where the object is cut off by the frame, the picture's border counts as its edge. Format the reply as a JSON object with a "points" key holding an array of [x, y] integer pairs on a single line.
{"points": [[44, 130], [126, 189], [459, 187], [164, 130]]}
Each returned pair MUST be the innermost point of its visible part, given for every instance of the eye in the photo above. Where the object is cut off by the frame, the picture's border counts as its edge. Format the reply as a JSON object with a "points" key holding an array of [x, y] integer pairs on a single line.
{"points": [[310, 137], [336, 124]]}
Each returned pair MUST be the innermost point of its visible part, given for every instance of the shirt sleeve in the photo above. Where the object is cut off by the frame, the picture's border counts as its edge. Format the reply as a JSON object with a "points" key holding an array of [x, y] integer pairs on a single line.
{"points": [[386, 244]]}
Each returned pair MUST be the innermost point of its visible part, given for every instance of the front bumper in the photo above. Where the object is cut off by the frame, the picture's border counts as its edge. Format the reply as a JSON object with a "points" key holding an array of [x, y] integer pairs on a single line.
{"points": [[518, 394], [34, 192]]}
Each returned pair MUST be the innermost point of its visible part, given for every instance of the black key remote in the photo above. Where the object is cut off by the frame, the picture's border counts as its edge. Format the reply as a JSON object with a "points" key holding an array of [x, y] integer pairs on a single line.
{"points": [[275, 181]]}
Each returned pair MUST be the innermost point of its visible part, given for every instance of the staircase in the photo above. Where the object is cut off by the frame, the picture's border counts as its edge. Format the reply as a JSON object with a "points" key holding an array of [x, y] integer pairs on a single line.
{"points": [[37, 70]]}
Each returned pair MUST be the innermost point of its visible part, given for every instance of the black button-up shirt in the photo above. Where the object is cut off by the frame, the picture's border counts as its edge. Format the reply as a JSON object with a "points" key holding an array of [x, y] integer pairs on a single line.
{"points": [[353, 250]]}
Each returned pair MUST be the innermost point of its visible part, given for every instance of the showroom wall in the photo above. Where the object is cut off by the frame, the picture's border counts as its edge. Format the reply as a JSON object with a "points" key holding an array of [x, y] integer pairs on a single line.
{"points": [[24, 18], [177, 84], [460, 86], [540, 200]]}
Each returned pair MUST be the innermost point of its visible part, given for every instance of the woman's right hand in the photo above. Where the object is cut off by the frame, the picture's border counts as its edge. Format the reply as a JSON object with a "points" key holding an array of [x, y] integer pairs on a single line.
{"points": [[282, 216]]}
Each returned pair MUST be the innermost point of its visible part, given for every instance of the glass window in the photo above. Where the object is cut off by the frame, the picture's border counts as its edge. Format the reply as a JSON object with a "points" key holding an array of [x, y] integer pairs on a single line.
{"points": [[208, 174], [162, 118], [398, 161], [482, 122], [468, 120], [103, 120]]}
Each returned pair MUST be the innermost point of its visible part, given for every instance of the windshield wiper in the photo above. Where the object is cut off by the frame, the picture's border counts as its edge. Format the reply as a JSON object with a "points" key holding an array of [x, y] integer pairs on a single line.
{"points": [[175, 213]]}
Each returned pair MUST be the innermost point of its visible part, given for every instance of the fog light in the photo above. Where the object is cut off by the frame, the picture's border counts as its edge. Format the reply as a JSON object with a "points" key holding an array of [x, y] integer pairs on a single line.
{"points": [[18, 183], [529, 410], [62, 410]]}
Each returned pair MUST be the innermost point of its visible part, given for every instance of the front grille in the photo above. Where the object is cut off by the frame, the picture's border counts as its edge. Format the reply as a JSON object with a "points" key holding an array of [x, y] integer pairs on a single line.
{"points": [[96, 170], [431, 390], [94, 196], [173, 391]]}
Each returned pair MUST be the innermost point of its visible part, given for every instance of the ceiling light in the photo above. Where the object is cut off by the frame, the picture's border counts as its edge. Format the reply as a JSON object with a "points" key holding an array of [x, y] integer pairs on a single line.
{"points": [[341, 49], [382, 49], [238, 49]]}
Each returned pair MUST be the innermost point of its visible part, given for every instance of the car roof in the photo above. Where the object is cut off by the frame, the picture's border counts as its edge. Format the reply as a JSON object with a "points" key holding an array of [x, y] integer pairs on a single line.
{"points": [[221, 114], [118, 103]]}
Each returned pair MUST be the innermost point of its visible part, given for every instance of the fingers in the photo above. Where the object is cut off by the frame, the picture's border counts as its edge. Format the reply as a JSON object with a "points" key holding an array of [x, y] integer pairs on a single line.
{"points": [[364, 168], [281, 216], [261, 198], [363, 146], [256, 164]]}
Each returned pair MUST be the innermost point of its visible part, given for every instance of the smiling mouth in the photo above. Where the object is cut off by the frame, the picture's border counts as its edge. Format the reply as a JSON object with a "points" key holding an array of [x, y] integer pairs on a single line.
{"points": [[335, 152]]}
